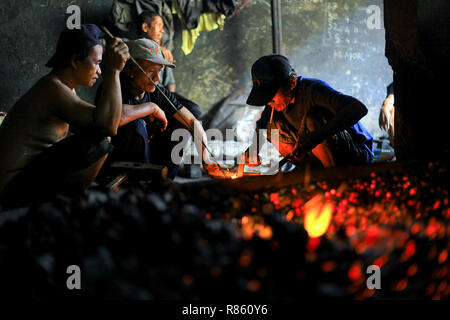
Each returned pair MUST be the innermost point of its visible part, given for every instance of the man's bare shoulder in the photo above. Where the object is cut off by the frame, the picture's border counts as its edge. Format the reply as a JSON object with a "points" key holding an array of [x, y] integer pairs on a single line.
{"points": [[52, 82]]}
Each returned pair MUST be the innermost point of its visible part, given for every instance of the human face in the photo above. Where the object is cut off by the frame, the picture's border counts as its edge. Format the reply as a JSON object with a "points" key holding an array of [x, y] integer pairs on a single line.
{"points": [[156, 31], [141, 82], [88, 70], [281, 100]]}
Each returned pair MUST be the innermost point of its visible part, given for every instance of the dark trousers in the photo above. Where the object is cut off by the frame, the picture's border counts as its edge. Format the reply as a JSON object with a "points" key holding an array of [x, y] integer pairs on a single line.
{"points": [[163, 142], [346, 150], [48, 173], [141, 141]]}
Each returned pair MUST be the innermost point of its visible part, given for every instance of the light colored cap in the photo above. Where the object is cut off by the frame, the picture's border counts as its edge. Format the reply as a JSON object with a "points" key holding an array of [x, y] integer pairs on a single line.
{"points": [[148, 50]]}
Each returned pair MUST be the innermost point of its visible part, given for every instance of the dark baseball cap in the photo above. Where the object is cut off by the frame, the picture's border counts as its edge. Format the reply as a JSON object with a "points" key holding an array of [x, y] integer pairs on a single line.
{"points": [[75, 41], [269, 73]]}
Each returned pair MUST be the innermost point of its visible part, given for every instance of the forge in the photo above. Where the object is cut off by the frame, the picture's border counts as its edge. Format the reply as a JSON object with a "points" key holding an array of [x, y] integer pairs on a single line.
{"points": [[373, 232], [278, 239]]}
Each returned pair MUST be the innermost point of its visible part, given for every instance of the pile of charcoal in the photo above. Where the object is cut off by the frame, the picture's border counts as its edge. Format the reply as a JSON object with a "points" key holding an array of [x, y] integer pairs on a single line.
{"points": [[214, 242]]}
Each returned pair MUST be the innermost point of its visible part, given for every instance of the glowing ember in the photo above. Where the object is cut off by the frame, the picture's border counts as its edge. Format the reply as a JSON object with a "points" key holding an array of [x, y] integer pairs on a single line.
{"points": [[355, 272], [254, 285], [401, 285], [313, 244], [317, 216], [443, 256]]}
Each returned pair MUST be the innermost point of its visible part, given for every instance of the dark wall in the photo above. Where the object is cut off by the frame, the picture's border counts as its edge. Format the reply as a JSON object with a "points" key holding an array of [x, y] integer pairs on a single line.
{"points": [[29, 31], [418, 47], [324, 39]]}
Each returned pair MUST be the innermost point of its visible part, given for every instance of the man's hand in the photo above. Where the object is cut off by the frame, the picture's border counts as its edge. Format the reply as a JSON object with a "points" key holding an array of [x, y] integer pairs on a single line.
{"points": [[116, 55], [158, 114], [167, 54], [386, 117], [213, 169], [307, 142]]}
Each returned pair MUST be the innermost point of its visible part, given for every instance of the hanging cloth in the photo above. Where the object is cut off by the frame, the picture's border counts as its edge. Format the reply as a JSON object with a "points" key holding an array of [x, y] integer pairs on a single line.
{"points": [[207, 22]]}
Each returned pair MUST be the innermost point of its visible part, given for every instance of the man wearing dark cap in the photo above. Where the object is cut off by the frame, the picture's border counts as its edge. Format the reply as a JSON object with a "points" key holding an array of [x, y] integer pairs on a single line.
{"points": [[316, 123], [38, 159], [137, 129]]}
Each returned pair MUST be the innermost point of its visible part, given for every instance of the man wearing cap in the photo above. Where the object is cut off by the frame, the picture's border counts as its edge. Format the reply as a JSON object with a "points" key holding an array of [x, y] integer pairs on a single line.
{"points": [[316, 123], [150, 25], [38, 159], [134, 139]]}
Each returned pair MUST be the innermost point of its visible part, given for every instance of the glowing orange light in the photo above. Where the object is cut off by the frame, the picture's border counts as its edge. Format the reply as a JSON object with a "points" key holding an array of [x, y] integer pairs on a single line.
{"points": [[410, 250], [328, 266], [354, 273], [264, 232], [244, 220], [317, 216], [415, 228], [401, 285], [432, 228], [443, 256], [290, 215], [313, 244], [188, 279], [412, 270], [254, 285], [373, 231], [245, 259], [381, 261], [436, 205], [350, 230]]}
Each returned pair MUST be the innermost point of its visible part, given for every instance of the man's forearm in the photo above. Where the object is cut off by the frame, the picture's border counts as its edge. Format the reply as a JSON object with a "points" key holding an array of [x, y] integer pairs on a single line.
{"points": [[109, 107], [187, 119], [131, 113], [251, 154], [346, 117], [200, 139]]}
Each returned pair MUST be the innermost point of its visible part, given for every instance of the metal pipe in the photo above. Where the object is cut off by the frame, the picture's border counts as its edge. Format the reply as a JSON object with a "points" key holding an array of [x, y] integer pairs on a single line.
{"points": [[276, 26]]}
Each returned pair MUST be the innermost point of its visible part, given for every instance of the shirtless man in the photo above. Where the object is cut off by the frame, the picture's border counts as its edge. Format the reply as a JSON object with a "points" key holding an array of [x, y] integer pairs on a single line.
{"points": [[37, 158]]}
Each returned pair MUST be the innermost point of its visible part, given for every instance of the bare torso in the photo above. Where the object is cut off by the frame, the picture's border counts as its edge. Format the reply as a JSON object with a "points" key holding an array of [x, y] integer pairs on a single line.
{"points": [[29, 128]]}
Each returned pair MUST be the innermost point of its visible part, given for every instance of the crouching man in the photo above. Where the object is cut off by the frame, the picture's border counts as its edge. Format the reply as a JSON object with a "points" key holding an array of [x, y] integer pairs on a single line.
{"points": [[316, 123], [38, 159], [143, 103]]}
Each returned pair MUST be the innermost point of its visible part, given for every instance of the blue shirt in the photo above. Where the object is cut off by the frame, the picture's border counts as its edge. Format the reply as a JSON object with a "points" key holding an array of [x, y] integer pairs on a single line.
{"points": [[314, 93]]}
